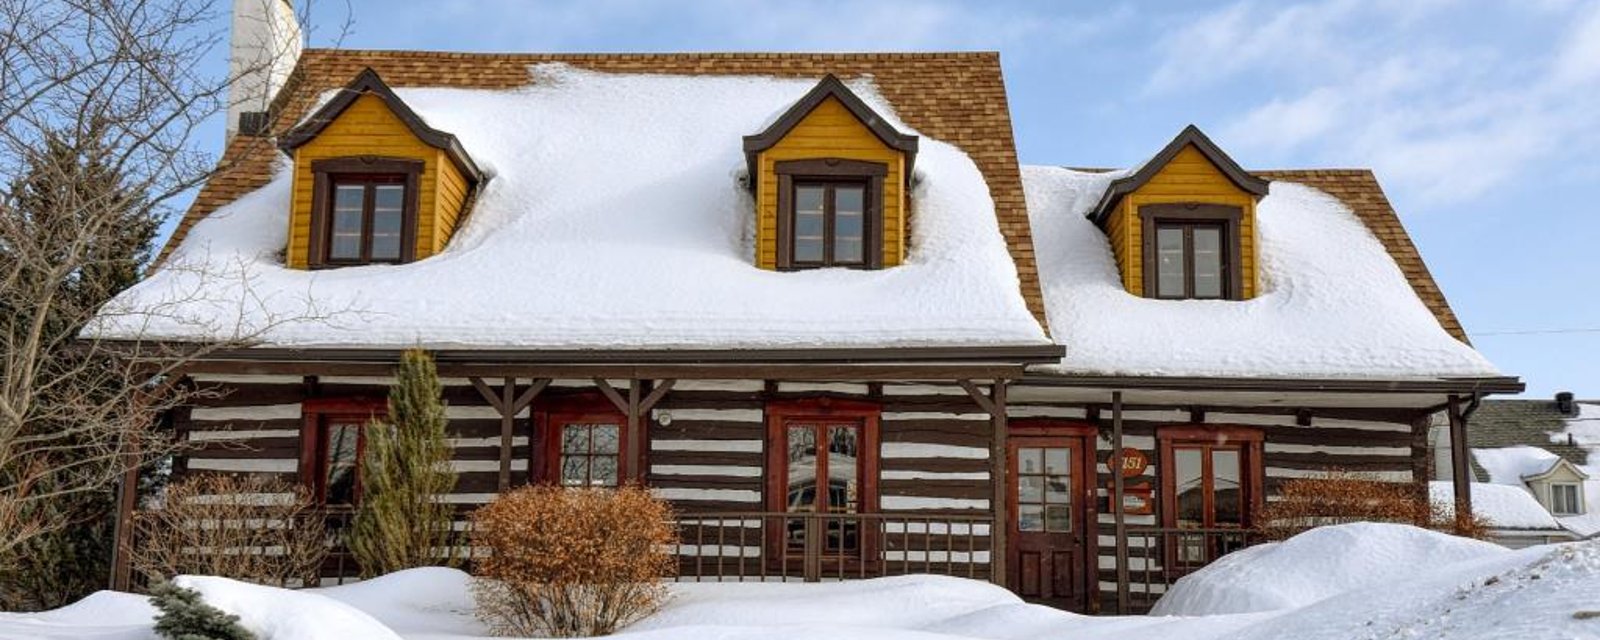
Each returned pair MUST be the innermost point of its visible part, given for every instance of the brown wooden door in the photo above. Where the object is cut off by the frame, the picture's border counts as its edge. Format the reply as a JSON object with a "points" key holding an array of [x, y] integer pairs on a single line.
{"points": [[1049, 563]]}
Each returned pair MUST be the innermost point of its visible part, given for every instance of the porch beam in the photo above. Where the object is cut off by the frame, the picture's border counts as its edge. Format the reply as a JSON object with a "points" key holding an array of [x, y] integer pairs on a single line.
{"points": [[611, 394], [508, 404], [999, 455], [1118, 506], [1460, 464], [981, 398]]}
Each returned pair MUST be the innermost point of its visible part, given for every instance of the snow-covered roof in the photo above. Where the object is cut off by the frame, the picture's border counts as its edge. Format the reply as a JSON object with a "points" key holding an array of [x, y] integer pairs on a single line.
{"points": [[1332, 303], [614, 218], [1503, 506]]}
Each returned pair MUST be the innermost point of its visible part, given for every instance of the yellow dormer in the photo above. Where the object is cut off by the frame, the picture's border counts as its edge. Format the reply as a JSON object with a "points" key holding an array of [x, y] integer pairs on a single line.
{"points": [[373, 183], [830, 179], [1183, 225]]}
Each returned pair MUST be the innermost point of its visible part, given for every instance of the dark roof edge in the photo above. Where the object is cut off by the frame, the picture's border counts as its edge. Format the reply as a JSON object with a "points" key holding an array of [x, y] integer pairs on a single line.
{"points": [[367, 82], [1485, 385], [1019, 354], [829, 86], [1190, 135]]}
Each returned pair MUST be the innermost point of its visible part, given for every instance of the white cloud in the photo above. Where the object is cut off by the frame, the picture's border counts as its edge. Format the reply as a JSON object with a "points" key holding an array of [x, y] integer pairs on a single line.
{"points": [[1442, 116]]}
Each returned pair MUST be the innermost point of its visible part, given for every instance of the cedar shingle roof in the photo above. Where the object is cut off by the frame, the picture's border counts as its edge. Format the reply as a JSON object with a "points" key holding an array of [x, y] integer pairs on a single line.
{"points": [[1359, 190], [959, 98]]}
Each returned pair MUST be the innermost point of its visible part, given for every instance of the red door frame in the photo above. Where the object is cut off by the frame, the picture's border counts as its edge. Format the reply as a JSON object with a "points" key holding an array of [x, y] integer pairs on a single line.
{"points": [[314, 414], [1083, 437], [825, 409]]}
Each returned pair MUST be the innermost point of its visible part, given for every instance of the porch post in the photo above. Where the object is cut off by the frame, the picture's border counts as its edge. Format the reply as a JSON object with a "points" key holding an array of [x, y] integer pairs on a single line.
{"points": [[127, 501], [1460, 464], [1114, 465], [508, 405], [999, 545]]}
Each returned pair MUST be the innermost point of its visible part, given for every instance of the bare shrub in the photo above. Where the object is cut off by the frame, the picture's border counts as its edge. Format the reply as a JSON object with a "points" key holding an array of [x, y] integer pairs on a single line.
{"points": [[570, 562], [242, 527], [1338, 497]]}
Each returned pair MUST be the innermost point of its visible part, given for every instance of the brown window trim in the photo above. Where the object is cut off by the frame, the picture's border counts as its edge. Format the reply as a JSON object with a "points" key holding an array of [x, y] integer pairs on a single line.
{"points": [[326, 172], [1227, 216], [831, 171], [549, 414], [779, 413], [315, 414]]}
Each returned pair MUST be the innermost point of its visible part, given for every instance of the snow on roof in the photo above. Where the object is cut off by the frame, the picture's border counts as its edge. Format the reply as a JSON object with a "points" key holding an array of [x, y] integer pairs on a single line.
{"points": [[1332, 301], [614, 219], [1510, 465], [1503, 506]]}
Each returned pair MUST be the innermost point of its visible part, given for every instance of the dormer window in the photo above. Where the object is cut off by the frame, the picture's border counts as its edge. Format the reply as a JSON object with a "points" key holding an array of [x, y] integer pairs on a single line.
{"points": [[1193, 252], [1182, 226], [829, 212], [830, 179], [365, 211], [1564, 500], [373, 183]]}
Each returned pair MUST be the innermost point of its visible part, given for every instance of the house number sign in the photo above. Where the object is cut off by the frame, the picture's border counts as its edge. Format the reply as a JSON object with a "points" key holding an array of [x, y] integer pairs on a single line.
{"points": [[1134, 462]]}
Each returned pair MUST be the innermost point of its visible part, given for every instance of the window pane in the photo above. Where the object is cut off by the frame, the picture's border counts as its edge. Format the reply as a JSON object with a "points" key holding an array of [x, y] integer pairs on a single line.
{"points": [[575, 438], [808, 223], [1564, 499], [1030, 460], [1030, 489], [802, 468], [1058, 489], [847, 251], [1191, 489], [1208, 262], [1056, 461], [341, 462], [574, 470], [848, 217], [345, 240], [1058, 518], [1228, 491], [1030, 517], [843, 488], [1169, 261], [605, 438], [386, 221], [603, 471]]}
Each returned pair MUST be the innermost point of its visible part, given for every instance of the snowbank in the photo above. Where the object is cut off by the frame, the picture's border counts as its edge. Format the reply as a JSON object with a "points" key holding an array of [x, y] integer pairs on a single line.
{"points": [[1332, 301], [1377, 581], [1315, 565], [282, 614], [615, 219], [1503, 506]]}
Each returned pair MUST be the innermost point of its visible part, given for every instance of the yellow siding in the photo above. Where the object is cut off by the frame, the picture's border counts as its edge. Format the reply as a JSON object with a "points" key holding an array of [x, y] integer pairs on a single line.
{"points": [[368, 128], [1188, 178], [831, 131]]}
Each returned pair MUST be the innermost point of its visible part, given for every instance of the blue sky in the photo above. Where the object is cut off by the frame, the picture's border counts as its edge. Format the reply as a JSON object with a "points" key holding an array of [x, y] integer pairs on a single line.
{"points": [[1482, 119]]}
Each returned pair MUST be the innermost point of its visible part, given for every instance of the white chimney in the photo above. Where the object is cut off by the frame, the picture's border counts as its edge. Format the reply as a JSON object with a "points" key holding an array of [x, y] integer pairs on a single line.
{"points": [[266, 44]]}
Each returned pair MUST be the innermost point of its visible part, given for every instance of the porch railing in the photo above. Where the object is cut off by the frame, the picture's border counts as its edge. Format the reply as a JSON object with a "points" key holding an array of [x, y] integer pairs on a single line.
{"points": [[1158, 557], [810, 547]]}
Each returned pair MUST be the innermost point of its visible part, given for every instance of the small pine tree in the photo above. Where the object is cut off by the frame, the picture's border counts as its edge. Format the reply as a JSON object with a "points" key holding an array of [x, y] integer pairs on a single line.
{"points": [[401, 523], [185, 616]]}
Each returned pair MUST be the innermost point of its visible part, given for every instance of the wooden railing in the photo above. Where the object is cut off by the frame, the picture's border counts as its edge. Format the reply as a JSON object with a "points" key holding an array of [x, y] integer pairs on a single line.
{"points": [[811, 547], [1158, 557]]}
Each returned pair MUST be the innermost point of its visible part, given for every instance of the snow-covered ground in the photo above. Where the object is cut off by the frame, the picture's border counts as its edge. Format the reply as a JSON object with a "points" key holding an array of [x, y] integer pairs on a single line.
{"points": [[1362, 581]]}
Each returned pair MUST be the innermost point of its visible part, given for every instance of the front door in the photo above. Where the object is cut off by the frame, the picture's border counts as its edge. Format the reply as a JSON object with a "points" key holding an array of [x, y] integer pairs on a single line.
{"points": [[1048, 561]]}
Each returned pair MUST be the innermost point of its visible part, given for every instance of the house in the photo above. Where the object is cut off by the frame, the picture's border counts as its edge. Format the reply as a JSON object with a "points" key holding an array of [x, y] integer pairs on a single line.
{"points": [[810, 299], [1542, 453]]}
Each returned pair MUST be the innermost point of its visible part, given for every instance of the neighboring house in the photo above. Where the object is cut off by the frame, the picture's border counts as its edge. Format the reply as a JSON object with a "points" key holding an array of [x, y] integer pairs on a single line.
{"points": [[1546, 450], [810, 299]]}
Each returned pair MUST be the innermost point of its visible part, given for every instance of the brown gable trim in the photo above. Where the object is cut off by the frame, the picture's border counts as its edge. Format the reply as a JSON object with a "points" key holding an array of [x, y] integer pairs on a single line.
{"points": [[368, 82], [1191, 135], [829, 87]]}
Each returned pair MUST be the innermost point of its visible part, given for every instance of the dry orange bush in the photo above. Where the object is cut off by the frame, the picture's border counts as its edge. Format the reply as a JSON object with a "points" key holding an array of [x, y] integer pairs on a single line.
{"points": [[248, 528], [1337, 497], [567, 562]]}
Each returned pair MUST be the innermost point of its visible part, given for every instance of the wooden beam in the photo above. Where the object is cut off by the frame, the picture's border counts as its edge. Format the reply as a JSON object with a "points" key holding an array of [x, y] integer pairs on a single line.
{"points": [[1118, 506], [127, 502], [999, 455], [1460, 463], [508, 422], [656, 394], [633, 465], [488, 394], [528, 395], [982, 399], [611, 394]]}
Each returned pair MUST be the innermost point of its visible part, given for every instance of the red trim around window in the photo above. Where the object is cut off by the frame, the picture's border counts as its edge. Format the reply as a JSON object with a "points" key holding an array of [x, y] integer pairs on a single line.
{"points": [[1246, 440], [315, 414], [553, 413]]}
